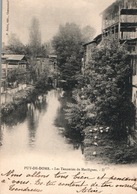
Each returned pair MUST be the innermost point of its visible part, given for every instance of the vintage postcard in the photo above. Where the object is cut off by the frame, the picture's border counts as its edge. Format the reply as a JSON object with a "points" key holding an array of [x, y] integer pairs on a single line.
{"points": [[68, 97]]}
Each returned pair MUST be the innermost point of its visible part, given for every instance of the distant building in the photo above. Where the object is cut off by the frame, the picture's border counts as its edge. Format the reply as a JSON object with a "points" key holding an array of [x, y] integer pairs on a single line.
{"points": [[41, 63], [53, 58], [13, 61], [120, 20], [10, 62]]}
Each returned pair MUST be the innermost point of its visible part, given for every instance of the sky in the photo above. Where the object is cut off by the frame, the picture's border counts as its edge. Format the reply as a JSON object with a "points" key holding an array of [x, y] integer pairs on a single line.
{"points": [[51, 13]]}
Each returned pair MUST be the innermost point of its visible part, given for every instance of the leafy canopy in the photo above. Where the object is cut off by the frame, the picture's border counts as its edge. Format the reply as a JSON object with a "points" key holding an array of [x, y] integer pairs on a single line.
{"points": [[109, 73], [105, 98], [68, 46]]}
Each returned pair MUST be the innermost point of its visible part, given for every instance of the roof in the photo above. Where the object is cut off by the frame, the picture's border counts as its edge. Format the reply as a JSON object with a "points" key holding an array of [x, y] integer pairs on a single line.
{"points": [[13, 57], [87, 43], [114, 7], [97, 39]]}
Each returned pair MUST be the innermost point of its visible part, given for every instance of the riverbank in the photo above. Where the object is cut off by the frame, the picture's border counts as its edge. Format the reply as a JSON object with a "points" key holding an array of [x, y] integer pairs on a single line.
{"points": [[99, 146], [20, 97], [100, 143]]}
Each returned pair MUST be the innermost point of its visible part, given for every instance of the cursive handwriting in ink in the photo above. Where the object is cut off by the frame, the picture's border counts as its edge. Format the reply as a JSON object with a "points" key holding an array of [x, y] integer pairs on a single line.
{"points": [[133, 186], [81, 176], [107, 184], [11, 173], [27, 189], [74, 184], [37, 174], [61, 175], [88, 190], [20, 182], [38, 182], [51, 183]]}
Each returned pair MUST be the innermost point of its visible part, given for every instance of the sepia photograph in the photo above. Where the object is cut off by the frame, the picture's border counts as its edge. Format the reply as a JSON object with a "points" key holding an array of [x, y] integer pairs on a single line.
{"points": [[68, 100]]}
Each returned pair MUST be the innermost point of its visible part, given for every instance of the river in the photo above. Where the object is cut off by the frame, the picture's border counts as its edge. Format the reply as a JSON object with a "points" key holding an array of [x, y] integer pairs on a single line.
{"points": [[31, 139], [32, 131]]}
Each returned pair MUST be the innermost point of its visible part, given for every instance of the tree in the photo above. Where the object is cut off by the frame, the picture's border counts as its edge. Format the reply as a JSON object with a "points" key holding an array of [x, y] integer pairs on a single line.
{"points": [[109, 73], [105, 98], [17, 75], [68, 46], [80, 113], [43, 52], [88, 33], [15, 46], [35, 37]]}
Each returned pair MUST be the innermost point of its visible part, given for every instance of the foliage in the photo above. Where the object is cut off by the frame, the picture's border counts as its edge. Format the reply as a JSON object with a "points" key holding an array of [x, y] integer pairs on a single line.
{"points": [[39, 68], [107, 91], [68, 46], [35, 37], [109, 73], [15, 46], [32, 49], [35, 48], [41, 84], [33, 70], [16, 75], [80, 114]]}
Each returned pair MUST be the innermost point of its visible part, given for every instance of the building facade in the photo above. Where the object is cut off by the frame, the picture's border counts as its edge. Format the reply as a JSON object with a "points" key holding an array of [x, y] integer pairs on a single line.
{"points": [[10, 62], [14, 61], [88, 47], [119, 21]]}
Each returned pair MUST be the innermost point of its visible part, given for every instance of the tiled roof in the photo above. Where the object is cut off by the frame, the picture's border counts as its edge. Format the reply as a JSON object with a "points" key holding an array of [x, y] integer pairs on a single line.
{"points": [[14, 57]]}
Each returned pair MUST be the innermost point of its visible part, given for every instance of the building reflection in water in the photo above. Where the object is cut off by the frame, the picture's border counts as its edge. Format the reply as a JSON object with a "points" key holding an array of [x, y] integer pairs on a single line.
{"points": [[35, 109], [1, 134], [17, 116], [28, 127]]}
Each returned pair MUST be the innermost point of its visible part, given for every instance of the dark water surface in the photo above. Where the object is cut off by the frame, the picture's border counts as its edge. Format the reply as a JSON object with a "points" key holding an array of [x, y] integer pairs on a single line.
{"points": [[32, 130]]}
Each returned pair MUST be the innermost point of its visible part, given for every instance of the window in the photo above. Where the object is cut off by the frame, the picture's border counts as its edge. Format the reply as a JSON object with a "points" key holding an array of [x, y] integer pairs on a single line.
{"points": [[134, 65]]}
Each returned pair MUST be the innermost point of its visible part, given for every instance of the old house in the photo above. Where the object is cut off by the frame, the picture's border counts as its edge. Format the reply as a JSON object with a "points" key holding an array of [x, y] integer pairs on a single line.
{"points": [[10, 62], [14, 61], [119, 20], [88, 47]]}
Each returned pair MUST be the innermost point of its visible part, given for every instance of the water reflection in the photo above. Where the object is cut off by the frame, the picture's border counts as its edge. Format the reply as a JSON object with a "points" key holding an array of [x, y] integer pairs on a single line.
{"points": [[32, 127], [32, 121], [1, 136], [73, 137], [17, 116], [34, 110]]}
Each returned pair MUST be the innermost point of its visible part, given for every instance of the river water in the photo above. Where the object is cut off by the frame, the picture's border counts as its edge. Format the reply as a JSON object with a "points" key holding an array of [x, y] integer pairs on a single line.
{"points": [[31, 139], [32, 130]]}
